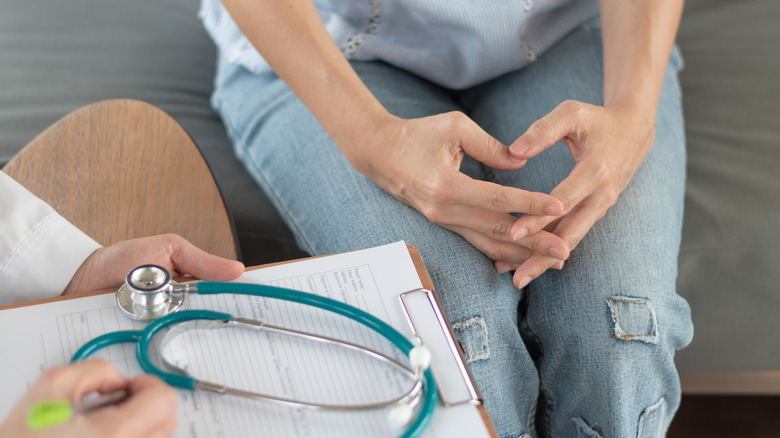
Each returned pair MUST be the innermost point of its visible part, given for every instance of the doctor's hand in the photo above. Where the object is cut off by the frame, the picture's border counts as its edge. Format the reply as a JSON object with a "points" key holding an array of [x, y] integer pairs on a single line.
{"points": [[107, 267], [150, 412], [608, 146], [418, 162]]}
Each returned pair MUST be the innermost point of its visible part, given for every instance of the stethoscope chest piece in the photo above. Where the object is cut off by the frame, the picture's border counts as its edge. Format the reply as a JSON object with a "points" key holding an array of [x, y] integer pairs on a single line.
{"points": [[149, 293]]}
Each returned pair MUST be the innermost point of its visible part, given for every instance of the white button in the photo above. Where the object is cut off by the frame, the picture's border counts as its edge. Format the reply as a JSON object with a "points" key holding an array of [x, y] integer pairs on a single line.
{"points": [[528, 5], [528, 52], [233, 55], [352, 44]]}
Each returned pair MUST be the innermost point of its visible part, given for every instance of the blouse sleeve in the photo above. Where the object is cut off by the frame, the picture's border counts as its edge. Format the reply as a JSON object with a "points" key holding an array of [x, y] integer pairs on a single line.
{"points": [[39, 250]]}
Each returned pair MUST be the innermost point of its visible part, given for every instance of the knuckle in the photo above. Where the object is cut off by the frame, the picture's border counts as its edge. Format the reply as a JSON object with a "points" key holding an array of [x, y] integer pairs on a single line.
{"points": [[54, 377], [170, 398], [574, 108], [494, 252], [572, 240], [105, 368], [603, 174], [435, 193], [457, 120], [542, 128], [579, 113], [538, 224], [537, 244], [491, 145], [500, 231], [569, 105], [176, 238], [498, 201], [611, 197], [432, 213], [171, 426], [436, 190], [532, 206], [169, 238], [568, 204], [115, 429]]}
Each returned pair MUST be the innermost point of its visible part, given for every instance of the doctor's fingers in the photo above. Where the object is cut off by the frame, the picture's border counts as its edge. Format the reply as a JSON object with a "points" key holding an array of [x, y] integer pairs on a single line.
{"points": [[497, 226], [150, 412], [189, 259], [76, 380]]}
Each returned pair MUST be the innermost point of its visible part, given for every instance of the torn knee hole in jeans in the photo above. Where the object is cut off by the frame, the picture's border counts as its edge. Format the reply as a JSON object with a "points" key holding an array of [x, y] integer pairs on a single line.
{"points": [[634, 319], [472, 334]]}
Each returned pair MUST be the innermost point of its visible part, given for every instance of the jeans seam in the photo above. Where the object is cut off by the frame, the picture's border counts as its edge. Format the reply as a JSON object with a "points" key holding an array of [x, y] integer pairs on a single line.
{"points": [[546, 416]]}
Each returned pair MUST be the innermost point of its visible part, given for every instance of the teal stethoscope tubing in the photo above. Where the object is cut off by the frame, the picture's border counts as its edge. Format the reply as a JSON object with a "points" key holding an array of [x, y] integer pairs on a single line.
{"points": [[144, 337]]}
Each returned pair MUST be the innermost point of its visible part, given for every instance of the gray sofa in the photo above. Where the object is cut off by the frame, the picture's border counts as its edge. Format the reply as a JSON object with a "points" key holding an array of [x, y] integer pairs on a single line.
{"points": [[58, 56]]}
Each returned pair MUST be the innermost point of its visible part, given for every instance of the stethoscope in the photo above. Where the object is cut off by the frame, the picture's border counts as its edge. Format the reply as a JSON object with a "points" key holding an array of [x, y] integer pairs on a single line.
{"points": [[150, 294]]}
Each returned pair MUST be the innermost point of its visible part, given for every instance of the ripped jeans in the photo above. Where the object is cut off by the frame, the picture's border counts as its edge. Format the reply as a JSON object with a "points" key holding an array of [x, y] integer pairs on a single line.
{"points": [[586, 351]]}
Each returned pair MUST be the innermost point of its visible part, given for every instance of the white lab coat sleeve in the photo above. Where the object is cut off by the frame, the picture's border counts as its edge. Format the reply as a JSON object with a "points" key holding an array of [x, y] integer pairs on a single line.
{"points": [[39, 249]]}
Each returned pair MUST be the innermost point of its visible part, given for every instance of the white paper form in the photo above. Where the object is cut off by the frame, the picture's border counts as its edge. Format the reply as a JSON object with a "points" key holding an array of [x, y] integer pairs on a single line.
{"points": [[43, 336]]}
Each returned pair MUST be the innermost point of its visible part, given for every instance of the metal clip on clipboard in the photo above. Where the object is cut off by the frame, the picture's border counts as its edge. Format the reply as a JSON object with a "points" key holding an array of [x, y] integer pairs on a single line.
{"points": [[444, 348]]}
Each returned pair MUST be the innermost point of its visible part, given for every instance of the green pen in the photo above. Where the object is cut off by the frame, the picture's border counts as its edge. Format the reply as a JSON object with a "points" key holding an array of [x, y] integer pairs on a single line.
{"points": [[49, 413]]}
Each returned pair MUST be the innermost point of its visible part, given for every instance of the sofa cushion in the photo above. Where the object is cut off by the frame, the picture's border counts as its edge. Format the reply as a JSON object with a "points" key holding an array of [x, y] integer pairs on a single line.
{"points": [[59, 56], [730, 258]]}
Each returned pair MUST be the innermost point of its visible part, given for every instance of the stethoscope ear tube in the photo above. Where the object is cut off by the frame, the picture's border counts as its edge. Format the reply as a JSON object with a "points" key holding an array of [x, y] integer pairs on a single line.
{"points": [[370, 321], [104, 341], [142, 349], [430, 393]]}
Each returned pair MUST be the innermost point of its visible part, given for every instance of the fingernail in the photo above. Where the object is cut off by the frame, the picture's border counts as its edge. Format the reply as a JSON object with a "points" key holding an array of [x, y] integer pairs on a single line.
{"points": [[502, 268], [558, 253], [519, 234], [524, 282], [517, 161], [552, 210], [520, 146], [558, 266]]}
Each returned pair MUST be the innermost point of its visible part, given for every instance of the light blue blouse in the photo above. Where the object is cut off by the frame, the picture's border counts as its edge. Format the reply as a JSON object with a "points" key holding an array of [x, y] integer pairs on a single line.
{"points": [[455, 43]]}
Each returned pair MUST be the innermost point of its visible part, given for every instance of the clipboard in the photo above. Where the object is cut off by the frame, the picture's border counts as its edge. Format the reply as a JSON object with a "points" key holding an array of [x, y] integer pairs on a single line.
{"points": [[470, 393], [425, 317]]}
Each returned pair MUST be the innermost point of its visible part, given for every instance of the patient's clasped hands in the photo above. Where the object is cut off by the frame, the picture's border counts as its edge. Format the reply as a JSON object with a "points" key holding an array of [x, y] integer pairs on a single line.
{"points": [[418, 162]]}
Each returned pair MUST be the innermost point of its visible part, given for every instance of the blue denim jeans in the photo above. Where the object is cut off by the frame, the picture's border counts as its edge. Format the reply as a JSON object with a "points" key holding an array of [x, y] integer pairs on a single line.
{"points": [[585, 351]]}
